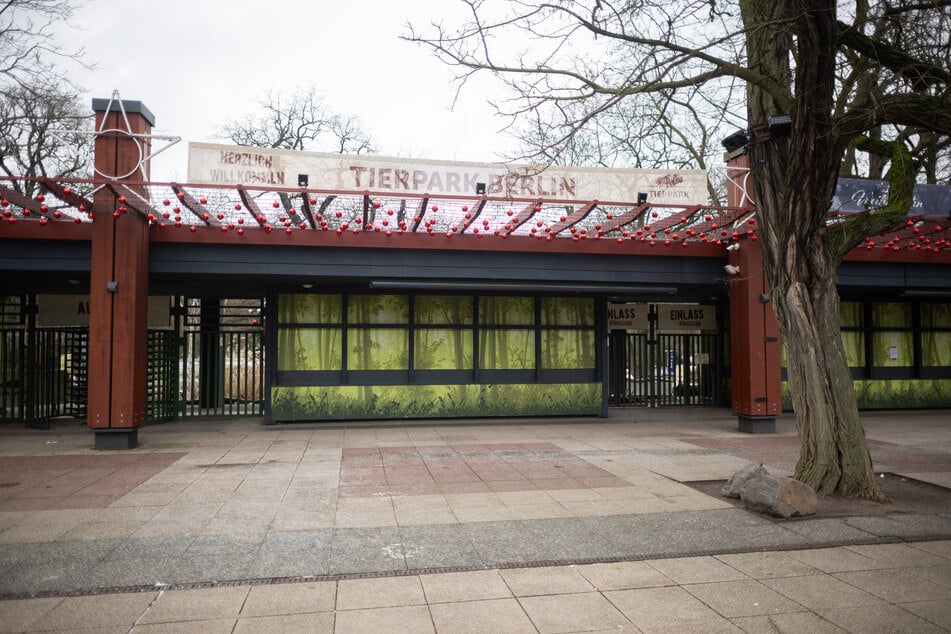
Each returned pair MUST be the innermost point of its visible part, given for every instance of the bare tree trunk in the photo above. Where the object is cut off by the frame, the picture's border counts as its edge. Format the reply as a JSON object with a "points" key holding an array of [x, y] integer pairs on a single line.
{"points": [[794, 179], [833, 453]]}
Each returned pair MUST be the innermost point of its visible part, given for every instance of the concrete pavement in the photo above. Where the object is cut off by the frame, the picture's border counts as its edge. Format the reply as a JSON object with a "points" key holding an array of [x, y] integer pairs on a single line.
{"points": [[543, 525]]}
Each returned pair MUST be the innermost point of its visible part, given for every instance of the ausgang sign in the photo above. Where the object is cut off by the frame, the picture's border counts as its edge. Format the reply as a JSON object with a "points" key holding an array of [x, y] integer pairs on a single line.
{"points": [[73, 310], [237, 165]]}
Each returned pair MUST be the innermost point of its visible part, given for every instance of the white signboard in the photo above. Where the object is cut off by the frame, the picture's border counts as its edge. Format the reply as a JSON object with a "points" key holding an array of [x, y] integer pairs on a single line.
{"points": [[215, 164], [674, 317], [627, 317], [73, 310]]}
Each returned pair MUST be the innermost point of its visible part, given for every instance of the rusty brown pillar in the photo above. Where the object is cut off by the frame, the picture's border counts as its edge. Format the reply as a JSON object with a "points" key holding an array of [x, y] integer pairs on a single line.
{"points": [[755, 364], [119, 289]]}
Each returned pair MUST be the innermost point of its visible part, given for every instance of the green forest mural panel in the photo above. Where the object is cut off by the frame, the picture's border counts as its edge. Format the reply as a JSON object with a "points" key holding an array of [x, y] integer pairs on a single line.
{"points": [[443, 349], [936, 346], [347, 402], [895, 394]]}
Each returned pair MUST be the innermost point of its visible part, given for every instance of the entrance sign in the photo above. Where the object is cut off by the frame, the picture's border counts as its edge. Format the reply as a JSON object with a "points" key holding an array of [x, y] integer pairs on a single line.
{"points": [[676, 317], [627, 317], [210, 163], [73, 310]]}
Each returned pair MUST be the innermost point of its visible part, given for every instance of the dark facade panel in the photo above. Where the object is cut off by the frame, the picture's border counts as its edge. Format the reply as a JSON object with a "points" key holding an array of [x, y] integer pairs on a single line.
{"points": [[298, 263], [42, 255], [885, 276]]}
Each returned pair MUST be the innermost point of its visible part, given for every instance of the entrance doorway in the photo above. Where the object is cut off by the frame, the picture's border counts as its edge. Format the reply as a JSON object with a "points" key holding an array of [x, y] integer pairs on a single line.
{"points": [[663, 367]]}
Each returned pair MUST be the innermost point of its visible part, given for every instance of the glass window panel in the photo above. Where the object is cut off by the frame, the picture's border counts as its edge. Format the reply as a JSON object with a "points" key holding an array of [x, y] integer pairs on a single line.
{"points": [[854, 343], [936, 348], [567, 311], [891, 315], [936, 315], [892, 349], [506, 311], [443, 349], [851, 314], [309, 349], [450, 310], [377, 349], [507, 349], [378, 309], [567, 349], [309, 308]]}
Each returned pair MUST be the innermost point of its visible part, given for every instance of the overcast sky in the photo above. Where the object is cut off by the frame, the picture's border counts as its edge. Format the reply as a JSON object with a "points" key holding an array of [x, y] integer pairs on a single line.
{"points": [[197, 63]]}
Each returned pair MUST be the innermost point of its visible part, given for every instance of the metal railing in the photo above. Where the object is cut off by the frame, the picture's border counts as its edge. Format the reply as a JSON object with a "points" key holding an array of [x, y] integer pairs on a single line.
{"points": [[670, 370], [222, 373]]}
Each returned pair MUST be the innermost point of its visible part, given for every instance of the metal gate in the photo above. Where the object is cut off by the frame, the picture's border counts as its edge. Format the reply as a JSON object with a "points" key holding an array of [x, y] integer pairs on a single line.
{"points": [[222, 373], [204, 372], [42, 374], [670, 369]]}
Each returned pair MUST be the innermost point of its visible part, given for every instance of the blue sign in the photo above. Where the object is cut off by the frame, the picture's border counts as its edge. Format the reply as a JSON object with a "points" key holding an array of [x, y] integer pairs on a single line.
{"points": [[856, 194]]}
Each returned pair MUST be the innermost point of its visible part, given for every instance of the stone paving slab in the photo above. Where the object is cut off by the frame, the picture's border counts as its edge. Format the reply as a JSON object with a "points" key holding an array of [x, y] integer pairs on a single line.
{"points": [[751, 592], [70, 566]]}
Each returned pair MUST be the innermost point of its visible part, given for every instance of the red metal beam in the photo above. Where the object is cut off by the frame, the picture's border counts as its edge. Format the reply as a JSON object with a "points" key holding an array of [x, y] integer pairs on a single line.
{"points": [[523, 216], [305, 207], [322, 209], [21, 201], [22, 229], [480, 205], [134, 200], [66, 194], [420, 212], [423, 241], [574, 218], [630, 216], [252, 206], [195, 206]]}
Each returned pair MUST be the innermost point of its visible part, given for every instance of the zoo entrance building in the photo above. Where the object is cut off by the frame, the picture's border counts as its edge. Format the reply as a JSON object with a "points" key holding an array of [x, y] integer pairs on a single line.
{"points": [[314, 287]]}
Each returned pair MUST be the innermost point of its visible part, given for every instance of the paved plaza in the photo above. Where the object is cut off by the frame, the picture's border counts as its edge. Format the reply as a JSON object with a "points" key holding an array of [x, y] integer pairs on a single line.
{"points": [[543, 525]]}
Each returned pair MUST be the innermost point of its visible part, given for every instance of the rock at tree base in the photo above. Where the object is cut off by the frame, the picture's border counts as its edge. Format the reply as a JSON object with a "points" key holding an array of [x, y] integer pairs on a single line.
{"points": [[772, 494], [741, 478]]}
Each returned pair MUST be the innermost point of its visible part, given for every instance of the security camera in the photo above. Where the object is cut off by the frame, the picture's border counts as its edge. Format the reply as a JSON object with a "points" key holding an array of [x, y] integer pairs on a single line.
{"points": [[734, 247], [731, 269]]}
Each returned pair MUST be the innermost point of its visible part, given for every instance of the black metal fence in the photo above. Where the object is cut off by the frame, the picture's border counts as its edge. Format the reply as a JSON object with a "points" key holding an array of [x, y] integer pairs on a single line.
{"points": [[222, 373], [44, 374], [670, 369]]}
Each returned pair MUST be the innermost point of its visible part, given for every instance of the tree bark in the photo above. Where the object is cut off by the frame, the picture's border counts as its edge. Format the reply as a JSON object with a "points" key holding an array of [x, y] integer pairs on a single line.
{"points": [[794, 179], [833, 453]]}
